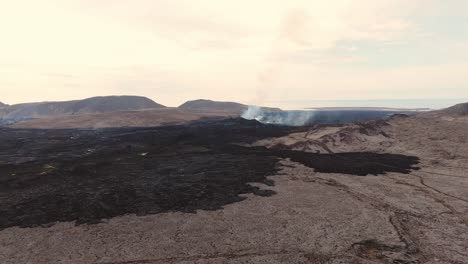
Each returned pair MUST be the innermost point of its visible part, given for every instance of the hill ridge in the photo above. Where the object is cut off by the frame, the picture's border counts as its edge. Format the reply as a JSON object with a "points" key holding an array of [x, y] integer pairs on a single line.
{"points": [[98, 104], [458, 109], [211, 104]]}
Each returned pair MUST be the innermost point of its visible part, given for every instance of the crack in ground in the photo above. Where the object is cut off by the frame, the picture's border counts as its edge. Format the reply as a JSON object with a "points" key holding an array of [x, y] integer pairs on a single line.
{"points": [[428, 194], [374, 249], [421, 180]]}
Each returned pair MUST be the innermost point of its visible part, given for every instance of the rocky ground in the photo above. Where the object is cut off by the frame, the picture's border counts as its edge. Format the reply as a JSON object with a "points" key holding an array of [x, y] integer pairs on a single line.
{"points": [[237, 192]]}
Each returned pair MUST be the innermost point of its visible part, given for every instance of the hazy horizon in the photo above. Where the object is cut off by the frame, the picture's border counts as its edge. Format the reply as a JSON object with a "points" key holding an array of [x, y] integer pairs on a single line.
{"points": [[254, 52], [417, 103]]}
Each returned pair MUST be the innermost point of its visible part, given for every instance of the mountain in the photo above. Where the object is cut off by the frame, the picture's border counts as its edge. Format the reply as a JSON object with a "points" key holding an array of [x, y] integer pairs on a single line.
{"points": [[86, 106], [209, 105], [202, 104], [3, 105]]}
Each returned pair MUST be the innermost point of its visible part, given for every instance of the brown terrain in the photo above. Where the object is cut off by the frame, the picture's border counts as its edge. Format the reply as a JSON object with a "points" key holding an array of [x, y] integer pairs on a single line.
{"points": [[143, 118], [388, 191], [456, 110]]}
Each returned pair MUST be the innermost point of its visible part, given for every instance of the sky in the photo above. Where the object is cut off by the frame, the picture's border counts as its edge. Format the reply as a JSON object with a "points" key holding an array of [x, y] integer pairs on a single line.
{"points": [[265, 52]]}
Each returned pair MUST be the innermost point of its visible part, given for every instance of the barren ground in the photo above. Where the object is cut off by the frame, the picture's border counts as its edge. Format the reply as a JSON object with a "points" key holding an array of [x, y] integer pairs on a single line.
{"points": [[302, 211], [143, 118]]}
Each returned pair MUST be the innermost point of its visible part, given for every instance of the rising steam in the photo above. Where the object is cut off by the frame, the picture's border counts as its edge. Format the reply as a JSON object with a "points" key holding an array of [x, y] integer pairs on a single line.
{"points": [[287, 118]]}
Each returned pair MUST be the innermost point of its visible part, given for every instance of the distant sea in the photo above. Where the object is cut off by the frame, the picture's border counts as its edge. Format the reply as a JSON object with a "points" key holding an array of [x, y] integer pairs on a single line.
{"points": [[432, 104]]}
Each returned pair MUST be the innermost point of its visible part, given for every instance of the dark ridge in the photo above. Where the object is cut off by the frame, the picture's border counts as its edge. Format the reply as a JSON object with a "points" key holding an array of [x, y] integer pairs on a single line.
{"points": [[213, 105], [203, 104], [399, 116], [104, 104], [49, 176], [100, 104]]}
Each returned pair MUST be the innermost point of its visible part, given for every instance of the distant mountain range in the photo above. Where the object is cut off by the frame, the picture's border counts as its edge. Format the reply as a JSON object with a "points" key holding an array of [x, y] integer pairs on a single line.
{"points": [[107, 104], [114, 111], [136, 111]]}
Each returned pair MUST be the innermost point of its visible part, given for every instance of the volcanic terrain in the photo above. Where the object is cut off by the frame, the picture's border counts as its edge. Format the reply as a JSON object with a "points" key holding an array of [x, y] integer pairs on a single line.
{"points": [[237, 191]]}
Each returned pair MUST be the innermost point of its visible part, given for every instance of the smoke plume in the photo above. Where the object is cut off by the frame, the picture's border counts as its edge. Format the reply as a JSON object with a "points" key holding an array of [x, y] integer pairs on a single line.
{"points": [[287, 118]]}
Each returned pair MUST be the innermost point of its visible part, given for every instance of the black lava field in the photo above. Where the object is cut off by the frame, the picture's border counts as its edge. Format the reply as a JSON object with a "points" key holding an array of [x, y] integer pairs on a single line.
{"points": [[49, 176]]}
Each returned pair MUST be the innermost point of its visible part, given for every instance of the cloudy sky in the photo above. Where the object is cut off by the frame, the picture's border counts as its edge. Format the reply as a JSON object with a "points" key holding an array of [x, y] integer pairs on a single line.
{"points": [[251, 51]]}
